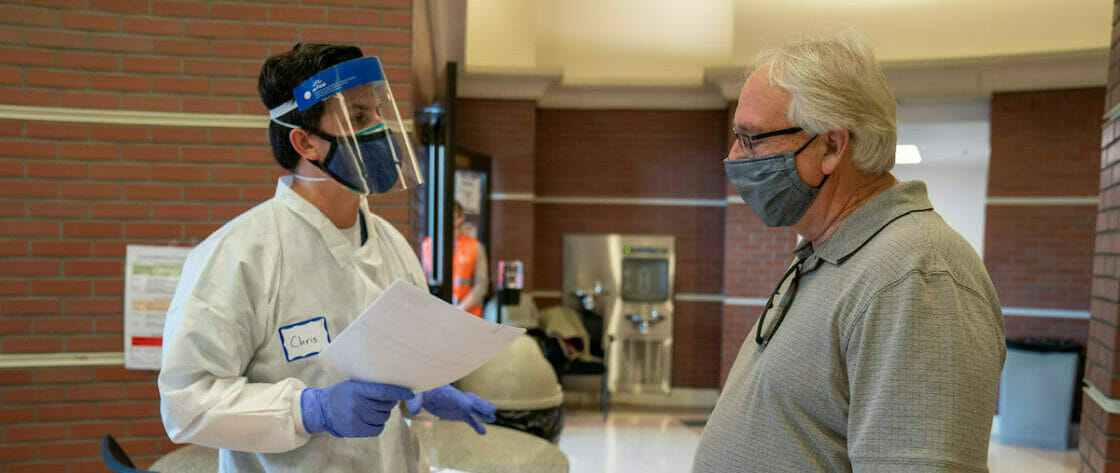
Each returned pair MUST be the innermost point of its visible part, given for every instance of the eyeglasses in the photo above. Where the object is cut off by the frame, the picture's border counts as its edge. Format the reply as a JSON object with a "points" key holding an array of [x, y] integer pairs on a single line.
{"points": [[747, 142], [783, 305]]}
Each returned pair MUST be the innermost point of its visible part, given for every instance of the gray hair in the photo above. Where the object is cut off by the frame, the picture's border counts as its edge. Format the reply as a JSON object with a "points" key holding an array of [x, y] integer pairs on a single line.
{"points": [[835, 83]]}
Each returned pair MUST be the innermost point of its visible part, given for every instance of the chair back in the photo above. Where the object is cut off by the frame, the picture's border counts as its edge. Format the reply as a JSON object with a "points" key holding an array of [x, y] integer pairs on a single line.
{"points": [[115, 458]]}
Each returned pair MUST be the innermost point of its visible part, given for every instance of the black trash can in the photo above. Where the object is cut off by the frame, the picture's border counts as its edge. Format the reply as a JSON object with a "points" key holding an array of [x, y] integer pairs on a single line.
{"points": [[1036, 392]]}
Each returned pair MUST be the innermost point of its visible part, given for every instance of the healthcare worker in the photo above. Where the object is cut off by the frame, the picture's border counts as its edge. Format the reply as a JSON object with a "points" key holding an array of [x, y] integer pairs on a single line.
{"points": [[470, 271], [262, 296]]}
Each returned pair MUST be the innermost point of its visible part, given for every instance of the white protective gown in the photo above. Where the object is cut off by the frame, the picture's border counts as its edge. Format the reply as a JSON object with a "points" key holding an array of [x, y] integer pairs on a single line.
{"points": [[252, 305]]}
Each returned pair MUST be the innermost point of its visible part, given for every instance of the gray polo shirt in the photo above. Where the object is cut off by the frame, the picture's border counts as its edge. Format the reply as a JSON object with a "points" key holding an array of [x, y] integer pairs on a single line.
{"points": [[888, 359]]}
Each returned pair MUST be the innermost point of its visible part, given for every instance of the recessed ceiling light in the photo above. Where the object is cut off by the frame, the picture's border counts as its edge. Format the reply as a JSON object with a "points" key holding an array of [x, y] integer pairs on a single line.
{"points": [[907, 154]]}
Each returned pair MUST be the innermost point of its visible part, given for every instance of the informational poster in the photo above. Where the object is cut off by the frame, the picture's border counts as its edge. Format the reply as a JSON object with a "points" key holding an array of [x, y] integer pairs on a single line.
{"points": [[151, 275], [468, 191]]}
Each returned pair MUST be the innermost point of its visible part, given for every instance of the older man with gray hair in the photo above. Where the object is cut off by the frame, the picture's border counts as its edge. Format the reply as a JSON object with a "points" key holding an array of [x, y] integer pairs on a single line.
{"points": [[880, 349]]}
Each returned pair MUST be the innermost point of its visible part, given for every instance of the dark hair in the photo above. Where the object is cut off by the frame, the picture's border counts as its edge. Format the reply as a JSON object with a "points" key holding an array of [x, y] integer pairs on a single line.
{"points": [[282, 73]]}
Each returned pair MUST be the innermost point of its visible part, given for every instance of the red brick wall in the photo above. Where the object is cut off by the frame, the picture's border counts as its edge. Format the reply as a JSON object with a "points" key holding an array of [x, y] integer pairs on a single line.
{"points": [[188, 56], [755, 257], [53, 418], [1041, 256], [696, 344], [1049, 327], [698, 232], [641, 154], [506, 130], [631, 153], [737, 323], [1100, 430], [611, 153], [72, 196], [512, 237], [1043, 144]]}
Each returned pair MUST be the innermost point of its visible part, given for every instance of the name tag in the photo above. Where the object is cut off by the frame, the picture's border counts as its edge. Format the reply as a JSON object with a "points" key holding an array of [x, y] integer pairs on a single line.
{"points": [[304, 339]]}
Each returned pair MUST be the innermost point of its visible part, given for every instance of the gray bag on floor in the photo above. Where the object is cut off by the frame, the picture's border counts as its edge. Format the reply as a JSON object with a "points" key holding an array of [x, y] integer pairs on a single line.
{"points": [[1036, 393]]}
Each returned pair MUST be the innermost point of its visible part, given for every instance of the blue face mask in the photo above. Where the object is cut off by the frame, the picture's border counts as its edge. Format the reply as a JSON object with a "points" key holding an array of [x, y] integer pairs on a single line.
{"points": [[375, 170], [772, 188]]}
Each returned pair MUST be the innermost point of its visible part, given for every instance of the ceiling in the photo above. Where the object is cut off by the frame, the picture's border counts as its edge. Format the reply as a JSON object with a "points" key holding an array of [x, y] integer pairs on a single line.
{"points": [[670, 42], [943, 58]]}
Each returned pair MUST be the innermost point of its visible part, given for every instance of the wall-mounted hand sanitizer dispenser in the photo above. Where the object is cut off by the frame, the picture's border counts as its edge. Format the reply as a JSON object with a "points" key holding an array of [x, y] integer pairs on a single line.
{"points": [[511, 280]]}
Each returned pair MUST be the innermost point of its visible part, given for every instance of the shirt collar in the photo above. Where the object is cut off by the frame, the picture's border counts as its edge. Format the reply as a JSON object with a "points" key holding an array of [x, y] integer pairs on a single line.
{"points": [[340, 246], [865, 222]]}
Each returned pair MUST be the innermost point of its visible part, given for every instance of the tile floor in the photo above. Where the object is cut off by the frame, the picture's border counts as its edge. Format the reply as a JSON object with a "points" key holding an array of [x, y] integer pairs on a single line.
{"points": [[634, 440]]}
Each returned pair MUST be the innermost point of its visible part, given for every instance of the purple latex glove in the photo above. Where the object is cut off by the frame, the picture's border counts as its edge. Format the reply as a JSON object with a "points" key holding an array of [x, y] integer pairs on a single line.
{"points": [[350, 408], [449, 403]]}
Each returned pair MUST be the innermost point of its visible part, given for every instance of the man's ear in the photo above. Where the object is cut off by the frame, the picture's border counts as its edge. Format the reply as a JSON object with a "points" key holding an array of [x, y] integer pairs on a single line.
{"points": [[302, 142], [837, 144]]}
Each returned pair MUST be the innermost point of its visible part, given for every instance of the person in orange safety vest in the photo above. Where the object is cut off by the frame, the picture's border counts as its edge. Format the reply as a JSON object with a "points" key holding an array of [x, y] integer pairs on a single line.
{"points": [[469, 268]]}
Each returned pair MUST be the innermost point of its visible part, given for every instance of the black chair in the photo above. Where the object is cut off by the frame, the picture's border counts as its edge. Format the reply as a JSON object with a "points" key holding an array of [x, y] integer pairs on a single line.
{"points": [[593, 323], [592, 359], [115, 458]]}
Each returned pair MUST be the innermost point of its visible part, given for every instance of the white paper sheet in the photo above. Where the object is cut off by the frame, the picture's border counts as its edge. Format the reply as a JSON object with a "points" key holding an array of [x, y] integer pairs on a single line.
{"points": [[412, 339]]}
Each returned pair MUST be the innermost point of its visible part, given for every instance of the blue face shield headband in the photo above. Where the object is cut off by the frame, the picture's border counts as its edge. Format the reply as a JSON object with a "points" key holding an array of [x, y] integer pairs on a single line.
{"points": [[369, 152]]}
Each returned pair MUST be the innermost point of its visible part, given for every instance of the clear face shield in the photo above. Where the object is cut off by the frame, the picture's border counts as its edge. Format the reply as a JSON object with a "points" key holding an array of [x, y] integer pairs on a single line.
{"points": [[370, 151]]}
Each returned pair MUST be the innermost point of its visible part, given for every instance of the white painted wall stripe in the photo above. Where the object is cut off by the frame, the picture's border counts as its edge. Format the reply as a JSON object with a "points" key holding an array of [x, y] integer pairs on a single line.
{"points": [[734, 199], [1014, 311], [761, 302], [511, 196], [588, 200], [1068, 200], [678, 397], [747, 301], [1056, 313], [687, 297], [1110, 405], [136, 117], [630, 201], [544, 294], [1112, 113], [680, 296], [131, 117], [42, 360]]}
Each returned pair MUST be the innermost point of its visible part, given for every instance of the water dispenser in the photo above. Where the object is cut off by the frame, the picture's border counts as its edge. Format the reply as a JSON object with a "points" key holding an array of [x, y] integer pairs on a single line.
{"points": [[622, 285]]}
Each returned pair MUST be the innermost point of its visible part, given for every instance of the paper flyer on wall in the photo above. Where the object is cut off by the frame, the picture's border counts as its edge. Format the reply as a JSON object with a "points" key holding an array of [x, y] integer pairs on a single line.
{"points": [[151, 275], [468, 191]]}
